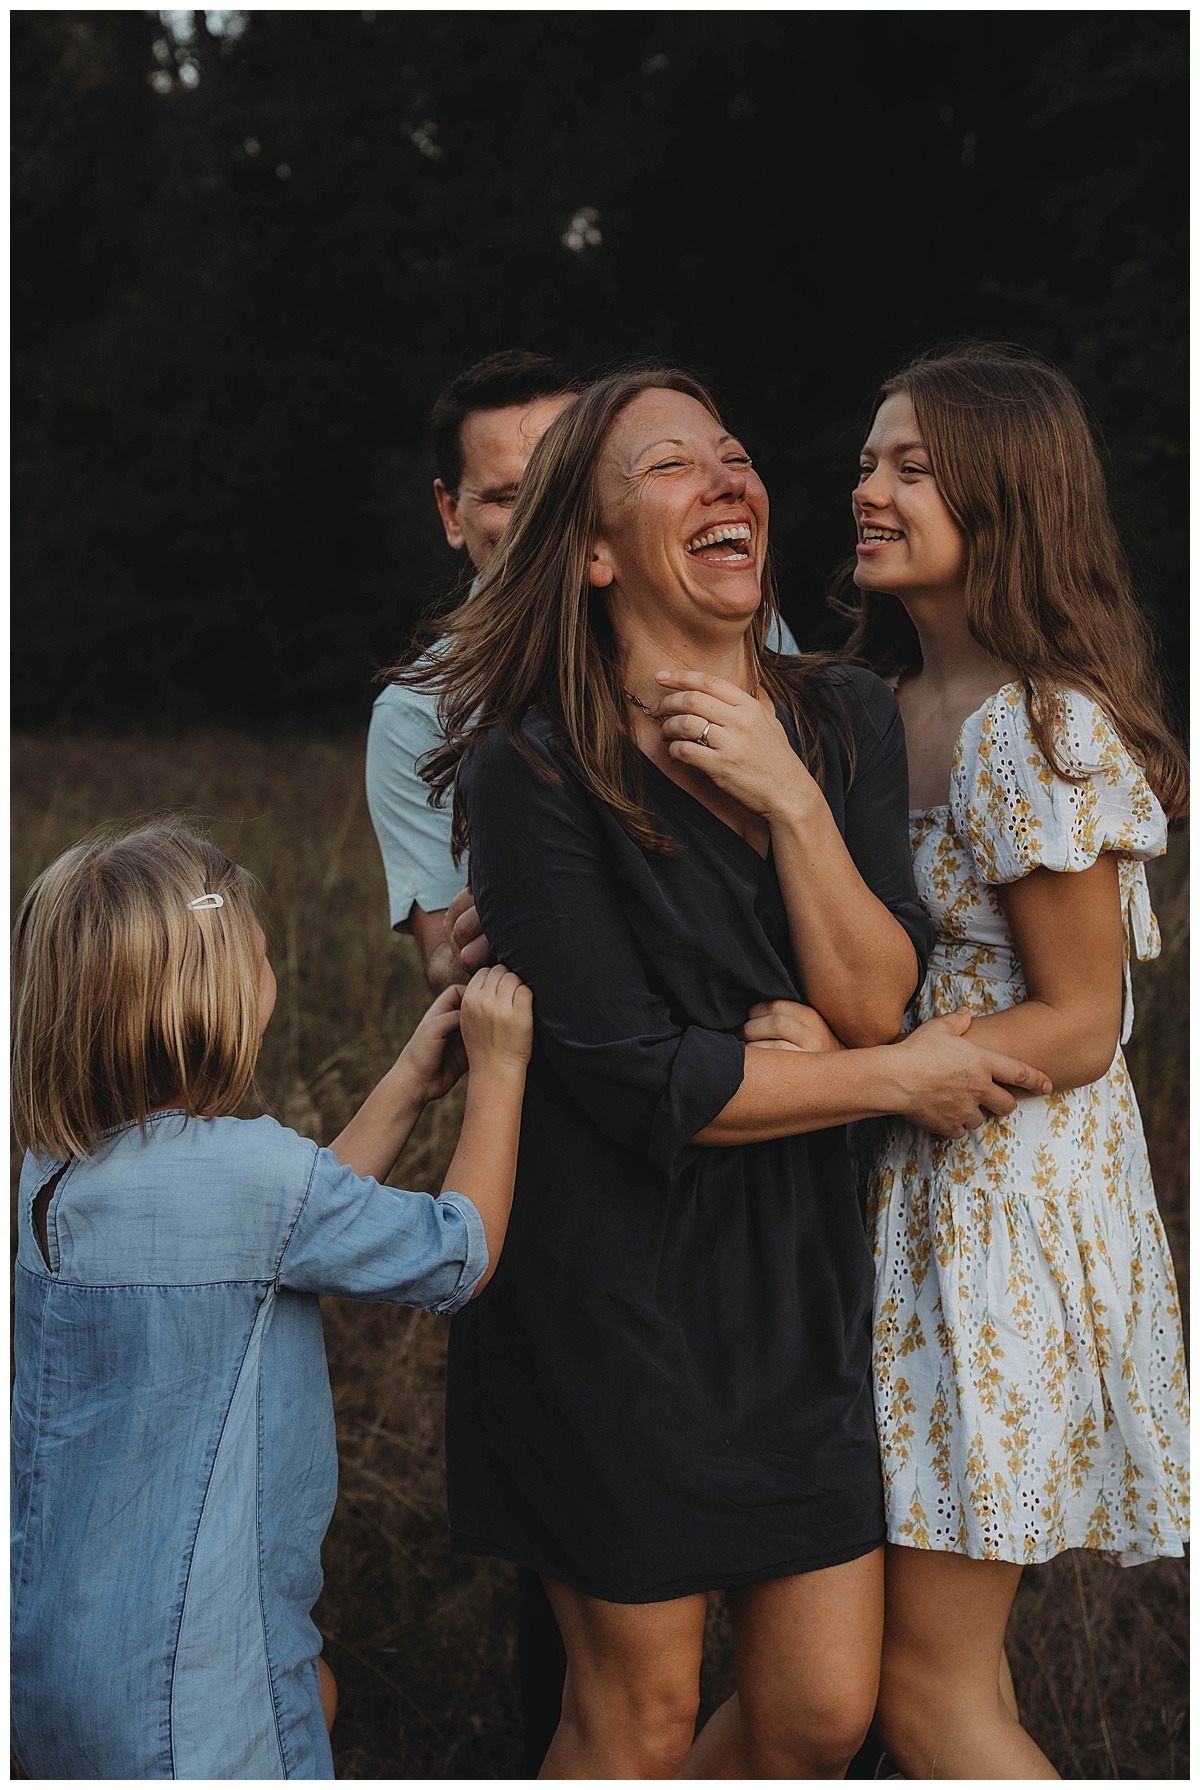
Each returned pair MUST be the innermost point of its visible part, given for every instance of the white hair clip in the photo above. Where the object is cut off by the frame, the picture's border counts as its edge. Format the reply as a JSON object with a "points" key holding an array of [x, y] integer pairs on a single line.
{"points": [[207, 901]]}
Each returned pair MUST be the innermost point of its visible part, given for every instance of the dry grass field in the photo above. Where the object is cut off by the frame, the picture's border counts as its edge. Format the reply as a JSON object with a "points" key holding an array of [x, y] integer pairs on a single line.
{"points": [[422, 1642]]}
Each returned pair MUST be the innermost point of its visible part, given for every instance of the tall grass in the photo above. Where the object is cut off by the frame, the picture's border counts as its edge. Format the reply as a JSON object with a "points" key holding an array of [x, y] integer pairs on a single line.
{"points": [[421, 1641]]}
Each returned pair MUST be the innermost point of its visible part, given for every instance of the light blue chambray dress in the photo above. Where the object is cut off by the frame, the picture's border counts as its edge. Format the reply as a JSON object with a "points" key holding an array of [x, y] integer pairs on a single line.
{"points": [[173, 1458]]}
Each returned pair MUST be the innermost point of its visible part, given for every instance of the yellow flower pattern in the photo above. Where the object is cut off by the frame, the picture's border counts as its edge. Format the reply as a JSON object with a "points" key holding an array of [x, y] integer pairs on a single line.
{"points": [[1030, 1384]]}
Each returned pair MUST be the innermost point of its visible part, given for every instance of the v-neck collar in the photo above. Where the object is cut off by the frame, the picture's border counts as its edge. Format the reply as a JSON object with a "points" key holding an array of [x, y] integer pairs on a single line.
{"points": [[703, 817]]}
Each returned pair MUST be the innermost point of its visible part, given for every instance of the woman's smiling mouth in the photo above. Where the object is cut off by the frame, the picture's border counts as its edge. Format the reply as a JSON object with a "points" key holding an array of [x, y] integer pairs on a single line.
{"points": [[707, 547], [874, 537]]}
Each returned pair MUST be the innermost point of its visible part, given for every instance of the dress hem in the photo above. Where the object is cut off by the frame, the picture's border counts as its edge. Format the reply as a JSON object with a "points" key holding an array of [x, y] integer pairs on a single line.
{"points": [[675, 1588], [1129, 1556]]}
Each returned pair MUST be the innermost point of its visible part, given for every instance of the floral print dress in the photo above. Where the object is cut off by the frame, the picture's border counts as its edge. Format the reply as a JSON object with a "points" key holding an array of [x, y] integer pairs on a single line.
{"points": [[1030, 1384]]}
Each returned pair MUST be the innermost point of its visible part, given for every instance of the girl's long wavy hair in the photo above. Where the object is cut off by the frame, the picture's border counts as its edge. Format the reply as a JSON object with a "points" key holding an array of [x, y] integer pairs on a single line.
{"points": [[1048, 585], [536, 635]]}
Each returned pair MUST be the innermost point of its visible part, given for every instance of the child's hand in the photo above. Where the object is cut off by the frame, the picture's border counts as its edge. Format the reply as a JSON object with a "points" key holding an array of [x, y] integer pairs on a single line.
{"points": [[788, 1025], [497, 1029], [434, 1056], [497, 1019]]}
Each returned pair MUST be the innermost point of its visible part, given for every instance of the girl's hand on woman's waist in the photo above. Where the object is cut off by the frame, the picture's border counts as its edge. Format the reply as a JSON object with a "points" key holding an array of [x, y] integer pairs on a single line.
{"points": [[788, 1025]]}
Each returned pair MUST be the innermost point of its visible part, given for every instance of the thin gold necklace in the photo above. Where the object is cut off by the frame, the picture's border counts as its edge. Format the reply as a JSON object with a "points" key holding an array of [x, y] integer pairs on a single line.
{"points": [[639, 704]]}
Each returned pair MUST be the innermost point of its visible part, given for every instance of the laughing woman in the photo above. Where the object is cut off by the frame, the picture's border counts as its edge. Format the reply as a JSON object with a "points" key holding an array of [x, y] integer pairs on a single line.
{"points": [[1029, 1371], [666, 1389]]}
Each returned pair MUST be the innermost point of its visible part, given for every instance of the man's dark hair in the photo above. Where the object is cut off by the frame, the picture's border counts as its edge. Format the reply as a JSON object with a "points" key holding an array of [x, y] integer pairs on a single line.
{"points": [[510, 377]]}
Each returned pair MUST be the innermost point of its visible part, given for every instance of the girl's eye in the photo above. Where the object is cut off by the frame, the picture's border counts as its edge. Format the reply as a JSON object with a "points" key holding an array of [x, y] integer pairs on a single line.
{"points": [[911, 468], [661, 465], [738, 460]]}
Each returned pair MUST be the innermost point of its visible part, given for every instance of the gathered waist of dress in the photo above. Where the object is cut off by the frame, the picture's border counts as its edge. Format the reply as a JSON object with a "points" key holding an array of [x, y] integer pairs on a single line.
{"points": [[967, 957]]}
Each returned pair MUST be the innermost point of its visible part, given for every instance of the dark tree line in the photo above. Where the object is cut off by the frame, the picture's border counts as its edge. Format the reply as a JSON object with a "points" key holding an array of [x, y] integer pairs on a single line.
{"points": [[244, 263]]}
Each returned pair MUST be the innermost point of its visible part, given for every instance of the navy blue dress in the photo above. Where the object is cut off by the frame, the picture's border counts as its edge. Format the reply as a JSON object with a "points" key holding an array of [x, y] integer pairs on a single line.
{"points": [[666, 1388]]}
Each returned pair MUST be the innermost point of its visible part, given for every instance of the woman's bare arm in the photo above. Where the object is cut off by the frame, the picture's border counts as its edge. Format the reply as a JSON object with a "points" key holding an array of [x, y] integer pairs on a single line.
{"points": [[938, 1078], [855, 960]]}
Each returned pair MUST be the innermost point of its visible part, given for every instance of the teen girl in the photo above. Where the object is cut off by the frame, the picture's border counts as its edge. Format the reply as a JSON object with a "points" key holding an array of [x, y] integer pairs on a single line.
{"points": [[174, 1465], [1029, 1371]]}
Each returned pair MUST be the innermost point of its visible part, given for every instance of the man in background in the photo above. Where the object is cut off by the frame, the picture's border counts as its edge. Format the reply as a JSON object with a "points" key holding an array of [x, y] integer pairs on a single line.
{"points": [[486, 423]]}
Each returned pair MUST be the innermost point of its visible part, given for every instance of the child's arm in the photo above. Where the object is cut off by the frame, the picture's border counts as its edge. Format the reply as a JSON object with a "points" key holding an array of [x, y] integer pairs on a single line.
{"points": [[1068, 931], [489, 1026], [497, 1030], [428, 1067]]}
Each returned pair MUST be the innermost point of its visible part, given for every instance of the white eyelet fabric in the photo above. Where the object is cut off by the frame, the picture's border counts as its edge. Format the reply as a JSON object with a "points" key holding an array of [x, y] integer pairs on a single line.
{"points": [[1030, 1384]]}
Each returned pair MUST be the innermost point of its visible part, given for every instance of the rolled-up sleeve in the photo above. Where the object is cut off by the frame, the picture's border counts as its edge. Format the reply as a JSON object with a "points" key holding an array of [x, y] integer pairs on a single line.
{"points": [[414, 838], [358, 1239], [705, 1075], [545, 884]]}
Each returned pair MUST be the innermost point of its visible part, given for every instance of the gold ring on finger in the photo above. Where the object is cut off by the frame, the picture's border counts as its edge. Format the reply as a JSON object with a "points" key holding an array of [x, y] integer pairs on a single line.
{"points": [[702, 736]]}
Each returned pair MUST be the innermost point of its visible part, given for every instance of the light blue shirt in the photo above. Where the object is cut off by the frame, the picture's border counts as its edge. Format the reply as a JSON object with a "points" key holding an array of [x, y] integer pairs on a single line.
{"points": [[413, 837], [174, 1466]]}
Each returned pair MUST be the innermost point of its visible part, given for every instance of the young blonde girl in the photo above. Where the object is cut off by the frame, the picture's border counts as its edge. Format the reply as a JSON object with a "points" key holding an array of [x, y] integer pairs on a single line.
{"points": [[1029, 1373], [173, 1456]]}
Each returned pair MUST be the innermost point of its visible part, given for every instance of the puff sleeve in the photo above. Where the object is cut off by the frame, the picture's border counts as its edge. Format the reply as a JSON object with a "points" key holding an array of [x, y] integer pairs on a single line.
{"points": [[1015, 813]]}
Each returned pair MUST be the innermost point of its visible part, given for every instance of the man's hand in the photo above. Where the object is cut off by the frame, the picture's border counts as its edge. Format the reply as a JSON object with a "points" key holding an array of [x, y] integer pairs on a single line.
{"points": [[471, 949], [451, 942]]}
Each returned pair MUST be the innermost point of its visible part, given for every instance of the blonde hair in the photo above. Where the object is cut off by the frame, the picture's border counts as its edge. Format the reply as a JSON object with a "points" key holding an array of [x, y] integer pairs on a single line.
{"points": [[126, 999]]}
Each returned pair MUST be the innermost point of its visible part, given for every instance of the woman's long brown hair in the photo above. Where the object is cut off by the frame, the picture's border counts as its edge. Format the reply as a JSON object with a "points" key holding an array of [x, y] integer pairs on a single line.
{"points": [[1048, 585], [536, 636]]}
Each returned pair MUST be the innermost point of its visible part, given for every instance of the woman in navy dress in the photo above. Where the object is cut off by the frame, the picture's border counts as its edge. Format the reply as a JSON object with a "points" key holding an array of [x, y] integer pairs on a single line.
{"points": [[666, 1389]]}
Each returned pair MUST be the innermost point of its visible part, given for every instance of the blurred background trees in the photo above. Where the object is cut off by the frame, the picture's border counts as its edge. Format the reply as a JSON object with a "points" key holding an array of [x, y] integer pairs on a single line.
{"points": [[250, 247], [248, 250]]}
